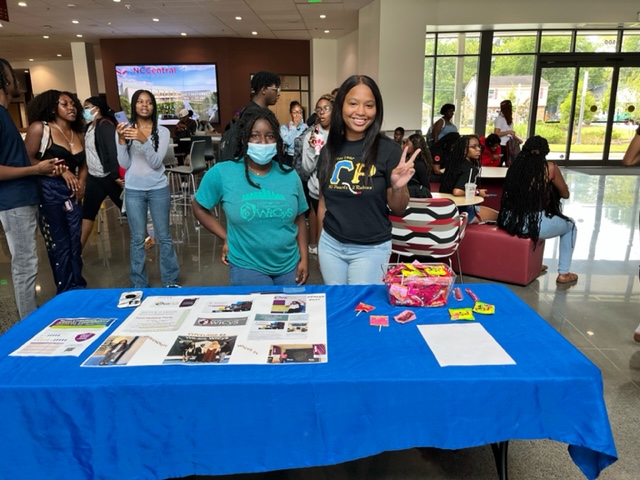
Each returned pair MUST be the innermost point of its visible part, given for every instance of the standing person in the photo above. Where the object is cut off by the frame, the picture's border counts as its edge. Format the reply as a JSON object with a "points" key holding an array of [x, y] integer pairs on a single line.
{"points": [[265, 91], [102, 161], [464, 167], [292, 130], [491, 150], [56, 130], [312, 144], [265, 239], [530, 205], [362, 175], [632, 157], [398, 135], [443, 125], [141, 149], [420, 184], [19, 197], [504, 129]]}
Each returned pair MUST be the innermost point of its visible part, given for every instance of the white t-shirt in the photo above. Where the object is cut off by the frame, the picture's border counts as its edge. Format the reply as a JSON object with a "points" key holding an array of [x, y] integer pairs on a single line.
{"points": [[502, 125]]}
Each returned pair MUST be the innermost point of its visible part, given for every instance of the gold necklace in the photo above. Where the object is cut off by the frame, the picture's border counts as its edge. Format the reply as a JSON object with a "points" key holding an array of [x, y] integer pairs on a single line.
{"points": [[256, 172], [70, 142]]}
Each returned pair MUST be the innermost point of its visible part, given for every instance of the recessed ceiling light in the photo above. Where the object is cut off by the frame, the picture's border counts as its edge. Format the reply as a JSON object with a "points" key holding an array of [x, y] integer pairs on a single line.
{"points": [[71, 5], [238, 18], [156, 19], [79, 35], [183, 34], [327, 31], [117, 1], [22, 4], [323, 16], [1, 25], [45, 36], [75, 22], [31, 59], [58, 55], [254, 33], [26, 71]]}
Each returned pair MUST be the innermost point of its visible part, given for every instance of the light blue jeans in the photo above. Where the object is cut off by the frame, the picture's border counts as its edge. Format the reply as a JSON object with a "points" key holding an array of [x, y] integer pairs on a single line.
{"points": [[246, 277], [20, 229], [351, 264], [159, 202], [566, 230]]}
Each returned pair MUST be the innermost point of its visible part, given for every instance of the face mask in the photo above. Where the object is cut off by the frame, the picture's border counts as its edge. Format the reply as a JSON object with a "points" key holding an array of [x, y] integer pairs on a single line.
{"points": [[262, 153], [88, 116]]}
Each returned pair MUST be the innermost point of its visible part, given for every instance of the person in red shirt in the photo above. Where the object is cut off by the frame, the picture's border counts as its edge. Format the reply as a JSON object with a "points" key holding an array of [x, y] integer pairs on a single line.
{"points": [[491, 152]]}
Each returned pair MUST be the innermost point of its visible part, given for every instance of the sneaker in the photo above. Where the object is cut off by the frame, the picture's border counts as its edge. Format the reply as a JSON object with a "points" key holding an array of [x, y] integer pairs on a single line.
{"points": [[173, 285], [313, 249]]}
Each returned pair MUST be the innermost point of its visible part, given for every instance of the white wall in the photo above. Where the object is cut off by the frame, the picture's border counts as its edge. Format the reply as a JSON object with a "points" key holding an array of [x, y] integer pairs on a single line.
{"points": [[347, 57], [57, 75], [369, 40], [323, 68]]}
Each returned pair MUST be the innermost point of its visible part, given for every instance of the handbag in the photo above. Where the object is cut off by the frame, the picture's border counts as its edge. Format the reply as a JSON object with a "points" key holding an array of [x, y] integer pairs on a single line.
{"points": [[513, 146]]}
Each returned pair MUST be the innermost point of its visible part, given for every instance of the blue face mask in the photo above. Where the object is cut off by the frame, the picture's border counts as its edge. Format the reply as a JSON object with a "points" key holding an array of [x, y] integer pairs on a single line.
{"points": [[88, 116], [262, 153]]}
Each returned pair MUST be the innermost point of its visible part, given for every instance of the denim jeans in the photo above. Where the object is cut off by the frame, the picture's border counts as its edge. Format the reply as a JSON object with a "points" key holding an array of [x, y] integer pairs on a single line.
{"points": [[245, 277], [158, 202], [566, 230], [351, 264], [20, 229]]}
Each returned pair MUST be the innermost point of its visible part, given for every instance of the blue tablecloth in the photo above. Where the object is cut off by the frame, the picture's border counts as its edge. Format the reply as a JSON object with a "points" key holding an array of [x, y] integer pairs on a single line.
{"points": [[379, 391]]}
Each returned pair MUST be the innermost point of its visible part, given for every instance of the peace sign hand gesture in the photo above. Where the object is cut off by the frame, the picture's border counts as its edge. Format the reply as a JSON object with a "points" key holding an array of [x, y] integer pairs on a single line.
{"points": [[401, 175]]}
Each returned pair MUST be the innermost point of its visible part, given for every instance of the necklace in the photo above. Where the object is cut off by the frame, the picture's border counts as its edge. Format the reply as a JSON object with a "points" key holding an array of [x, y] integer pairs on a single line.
{"points": [[70, 142], [256, 172]]}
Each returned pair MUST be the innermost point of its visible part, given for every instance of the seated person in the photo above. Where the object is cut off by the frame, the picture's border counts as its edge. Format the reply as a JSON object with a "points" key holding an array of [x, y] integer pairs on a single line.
{"points": [[464, 167], [440, 154], [419, 185], [491, 151], [185, 128]]}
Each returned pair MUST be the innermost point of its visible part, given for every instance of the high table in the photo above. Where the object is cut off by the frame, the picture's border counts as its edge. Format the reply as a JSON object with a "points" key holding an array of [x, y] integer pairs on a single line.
{"points": [[379, 391]]}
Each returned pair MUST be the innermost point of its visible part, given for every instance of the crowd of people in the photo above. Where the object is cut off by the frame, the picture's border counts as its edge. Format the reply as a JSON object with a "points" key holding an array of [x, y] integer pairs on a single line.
{"points": [[324, 187]]}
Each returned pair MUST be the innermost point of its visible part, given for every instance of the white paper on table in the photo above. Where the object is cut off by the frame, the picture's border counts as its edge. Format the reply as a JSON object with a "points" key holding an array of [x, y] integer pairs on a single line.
{"points": [[64, 337], [464, 344]]}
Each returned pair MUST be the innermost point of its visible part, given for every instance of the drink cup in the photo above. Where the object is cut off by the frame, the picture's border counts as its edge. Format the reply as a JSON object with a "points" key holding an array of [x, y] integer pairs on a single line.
{"points": [[469, 191]]}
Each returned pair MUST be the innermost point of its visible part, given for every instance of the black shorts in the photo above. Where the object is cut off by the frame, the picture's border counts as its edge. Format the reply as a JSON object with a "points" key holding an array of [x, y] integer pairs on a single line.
{"points": [[97, 189]]}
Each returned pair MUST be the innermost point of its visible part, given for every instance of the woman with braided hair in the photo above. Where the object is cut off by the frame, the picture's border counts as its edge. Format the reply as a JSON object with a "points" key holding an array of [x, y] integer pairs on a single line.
{"points": [[464, 167], [265, 239], [530, 205]]}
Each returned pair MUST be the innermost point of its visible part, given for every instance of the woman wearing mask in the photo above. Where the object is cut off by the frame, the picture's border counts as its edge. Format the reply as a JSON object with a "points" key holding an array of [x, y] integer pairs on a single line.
{"points": [[312, 143], [141, 148], [362, 175], [56, 131], [102, 161], [265, 239]]}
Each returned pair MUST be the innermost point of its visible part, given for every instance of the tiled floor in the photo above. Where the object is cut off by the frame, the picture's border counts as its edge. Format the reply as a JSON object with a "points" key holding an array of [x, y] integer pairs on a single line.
{"points": [[598, 316]]}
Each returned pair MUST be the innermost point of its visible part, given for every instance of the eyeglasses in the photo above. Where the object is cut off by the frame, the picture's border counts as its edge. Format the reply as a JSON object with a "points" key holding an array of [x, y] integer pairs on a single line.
{"points": [[476, 146], [319, 110], [277, 89], [299, 112]]}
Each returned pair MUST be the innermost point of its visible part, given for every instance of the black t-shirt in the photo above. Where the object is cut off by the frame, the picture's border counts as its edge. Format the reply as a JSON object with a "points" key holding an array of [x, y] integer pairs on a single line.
{"points": [[462, 176], [357, 211]]}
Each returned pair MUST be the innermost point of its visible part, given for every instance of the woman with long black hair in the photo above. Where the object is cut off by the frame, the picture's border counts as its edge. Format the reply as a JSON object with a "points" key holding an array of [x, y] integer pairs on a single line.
{"points": [[530, 205]]}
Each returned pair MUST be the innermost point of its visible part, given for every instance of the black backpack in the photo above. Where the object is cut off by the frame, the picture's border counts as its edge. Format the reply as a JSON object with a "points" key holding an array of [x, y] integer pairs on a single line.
{"points": [[229, 142]]}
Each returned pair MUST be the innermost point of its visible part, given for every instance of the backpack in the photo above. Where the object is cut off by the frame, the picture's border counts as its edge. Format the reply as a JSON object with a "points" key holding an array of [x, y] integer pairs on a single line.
{"points": [[297, 156], [229, 142], [44, 141]]}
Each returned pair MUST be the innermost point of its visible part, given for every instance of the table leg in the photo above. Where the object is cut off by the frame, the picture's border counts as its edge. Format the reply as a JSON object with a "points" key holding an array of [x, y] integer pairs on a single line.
{"points": [[500, 456]]}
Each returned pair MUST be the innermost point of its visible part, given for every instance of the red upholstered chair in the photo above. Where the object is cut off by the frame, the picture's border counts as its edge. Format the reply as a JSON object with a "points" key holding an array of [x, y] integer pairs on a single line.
{"points": [[430, 227]]}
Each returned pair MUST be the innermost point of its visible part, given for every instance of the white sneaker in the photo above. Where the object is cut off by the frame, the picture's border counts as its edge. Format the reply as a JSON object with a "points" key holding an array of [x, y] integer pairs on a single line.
{"points": [[313, 249]]}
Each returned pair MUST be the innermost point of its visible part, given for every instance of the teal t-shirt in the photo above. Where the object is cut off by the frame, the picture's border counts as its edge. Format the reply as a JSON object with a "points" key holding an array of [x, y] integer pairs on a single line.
{"points": [[261, 229]]}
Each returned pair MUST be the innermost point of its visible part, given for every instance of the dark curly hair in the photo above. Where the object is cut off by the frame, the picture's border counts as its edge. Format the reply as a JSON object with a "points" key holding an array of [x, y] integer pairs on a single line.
{"points": [[528, 193], [246, 124], [155, 138], [4, 80], [105, 109], [418, 141], [454, 165], [44, 108]]}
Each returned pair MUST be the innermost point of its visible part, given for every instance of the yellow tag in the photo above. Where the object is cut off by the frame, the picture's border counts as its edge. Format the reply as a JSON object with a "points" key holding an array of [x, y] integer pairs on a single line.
{"points": [[461, 314], [484, 308], [437, 270]]}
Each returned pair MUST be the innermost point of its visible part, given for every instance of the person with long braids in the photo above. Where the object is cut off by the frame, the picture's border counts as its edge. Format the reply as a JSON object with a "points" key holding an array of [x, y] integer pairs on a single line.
{"points": [[362, 175], [265, 239], [530, 205], [464, 167], [141, 148], [56, 130]]}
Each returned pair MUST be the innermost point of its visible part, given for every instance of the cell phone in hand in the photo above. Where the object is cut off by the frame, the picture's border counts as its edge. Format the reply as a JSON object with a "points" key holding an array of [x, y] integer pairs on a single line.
{"points": [[121, 117]]}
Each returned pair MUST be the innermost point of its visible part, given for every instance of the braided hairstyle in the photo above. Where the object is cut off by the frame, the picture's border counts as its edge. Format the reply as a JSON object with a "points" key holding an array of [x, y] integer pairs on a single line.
{"points": [[4, 80], [526, 193], [417, 141], [155, 137], [246, 125], [456, 161], [44, 108]]}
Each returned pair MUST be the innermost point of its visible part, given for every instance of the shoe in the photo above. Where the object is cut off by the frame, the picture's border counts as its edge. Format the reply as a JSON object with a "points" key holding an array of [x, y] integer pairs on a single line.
{"points": [[543, 269], [636, 336], [173, 285], [567, 278], [313, 250]]}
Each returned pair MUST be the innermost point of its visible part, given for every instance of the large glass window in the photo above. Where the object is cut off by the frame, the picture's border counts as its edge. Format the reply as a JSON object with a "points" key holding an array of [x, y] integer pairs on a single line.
{"points": [[596, 42], [555, 42]]}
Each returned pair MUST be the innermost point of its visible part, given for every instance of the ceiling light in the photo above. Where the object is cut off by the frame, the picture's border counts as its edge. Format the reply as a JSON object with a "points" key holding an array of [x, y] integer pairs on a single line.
{"points": [[238, 18], [22, 4], [183, 34], [26, 71], [254, 33], [71, 5], [156, 19], [323, 16], [79, 35], [117, 1], [1, 25], [31, 59], [45, 36], [75, 22], [327, 31], [59, 55]]}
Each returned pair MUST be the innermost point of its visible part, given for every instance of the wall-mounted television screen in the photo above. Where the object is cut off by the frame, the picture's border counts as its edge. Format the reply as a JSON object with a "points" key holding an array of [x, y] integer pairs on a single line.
{"points": [[192, 86]]}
